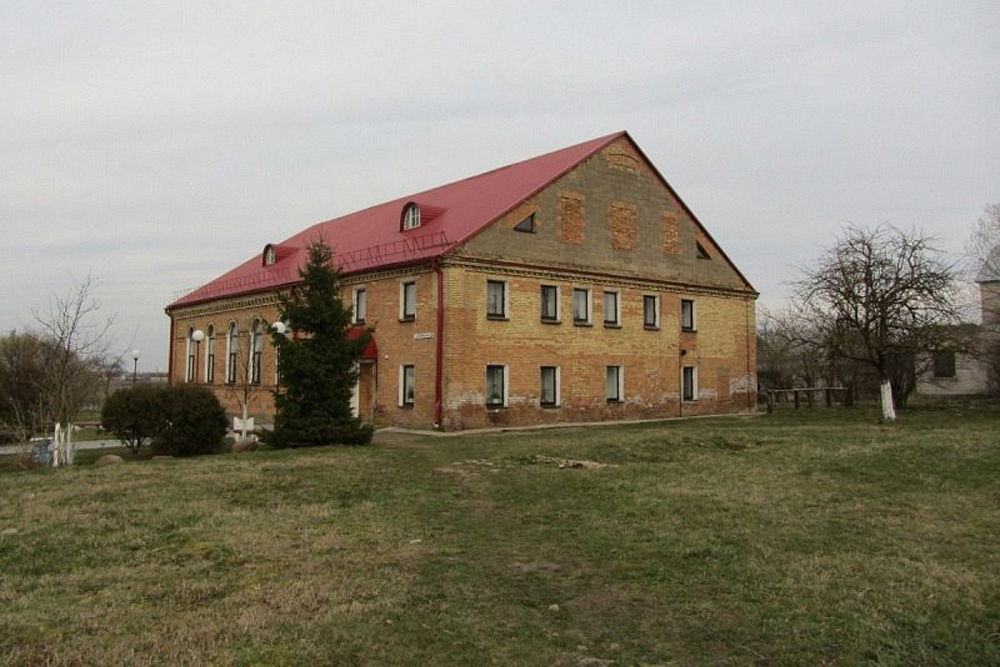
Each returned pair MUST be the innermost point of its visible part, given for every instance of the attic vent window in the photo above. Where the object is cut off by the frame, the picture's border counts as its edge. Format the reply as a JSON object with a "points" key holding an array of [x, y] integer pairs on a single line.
{"points": [[700, 251], [526, 225], [411, 217], [269, 255]]}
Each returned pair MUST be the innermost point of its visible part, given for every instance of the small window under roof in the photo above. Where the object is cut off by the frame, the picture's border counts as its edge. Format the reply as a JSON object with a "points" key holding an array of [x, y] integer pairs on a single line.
{"points": [[411, 216], [270, 256], [700, 251], [526, 225]]}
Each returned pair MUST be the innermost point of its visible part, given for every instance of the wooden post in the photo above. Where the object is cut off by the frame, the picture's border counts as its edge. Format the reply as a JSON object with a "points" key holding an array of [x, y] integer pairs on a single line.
{"points": [[829, 397], [796, 393], [770, 401]]}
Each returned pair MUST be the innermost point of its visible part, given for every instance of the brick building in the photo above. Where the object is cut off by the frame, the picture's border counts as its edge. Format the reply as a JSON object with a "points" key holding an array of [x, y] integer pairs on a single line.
{"points": [[572, 286]]}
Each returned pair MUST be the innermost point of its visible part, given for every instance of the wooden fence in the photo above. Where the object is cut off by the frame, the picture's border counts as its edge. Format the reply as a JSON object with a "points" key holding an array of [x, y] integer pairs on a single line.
{"points": [[773, 395]]}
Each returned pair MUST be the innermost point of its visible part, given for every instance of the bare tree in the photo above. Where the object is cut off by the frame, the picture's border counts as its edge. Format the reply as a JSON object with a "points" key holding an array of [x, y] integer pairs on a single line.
{"points": [[23, 405], [244, 369], [79, 339], [883, 298]]}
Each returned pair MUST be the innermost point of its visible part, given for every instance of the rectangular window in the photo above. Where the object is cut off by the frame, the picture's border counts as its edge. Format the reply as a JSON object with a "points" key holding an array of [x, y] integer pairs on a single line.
{"points": [[496, 299], [944, 364], [581, 306], [496, 386], [651, 312], [612, 306], [690, 383], [408, 301], [549, 396], [550, 303], [407, 385], [687, 315], [360, 305], [614, 384]]}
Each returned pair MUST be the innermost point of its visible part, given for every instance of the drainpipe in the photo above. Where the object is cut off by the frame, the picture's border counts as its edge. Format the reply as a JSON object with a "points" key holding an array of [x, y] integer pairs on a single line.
{"points": [[680, 382], [439, 362], [170, 347], [750, 405]]}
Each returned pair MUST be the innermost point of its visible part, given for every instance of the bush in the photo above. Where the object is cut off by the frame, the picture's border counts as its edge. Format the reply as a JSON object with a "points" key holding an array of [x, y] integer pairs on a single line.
{"points": [[134, 416], [194, 422], [306, 434]]}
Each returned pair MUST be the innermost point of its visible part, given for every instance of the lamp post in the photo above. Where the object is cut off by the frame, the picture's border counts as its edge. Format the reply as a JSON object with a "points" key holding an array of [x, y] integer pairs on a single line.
{"points": [[197, 336], [135, 365], [281, 329]]}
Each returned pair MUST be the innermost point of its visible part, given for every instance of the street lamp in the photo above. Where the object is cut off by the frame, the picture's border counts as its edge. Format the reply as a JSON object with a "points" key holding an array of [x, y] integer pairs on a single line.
{"points": [[197, 336], [281, 329], [135, 365]]}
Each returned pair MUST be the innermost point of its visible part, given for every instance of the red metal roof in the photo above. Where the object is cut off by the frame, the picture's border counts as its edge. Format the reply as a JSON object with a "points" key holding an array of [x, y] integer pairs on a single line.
{"points": [[372, 238]]}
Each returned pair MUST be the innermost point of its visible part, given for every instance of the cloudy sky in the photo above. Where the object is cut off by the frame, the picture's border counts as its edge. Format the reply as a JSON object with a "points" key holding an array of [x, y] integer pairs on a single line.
{"points": [[158, 144]]}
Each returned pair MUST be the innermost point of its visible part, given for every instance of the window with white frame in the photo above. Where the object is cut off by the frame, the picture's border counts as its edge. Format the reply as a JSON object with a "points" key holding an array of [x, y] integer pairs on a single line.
{"points": [[612, 309], [496, 386], [651, 312], [615, 385], [407, 385], [496, 299], [210, 355], [549, 391], [688, 317], [232, 352], [689, 388], [408, 300], [411, 217], [256, 351], [581, 305], [191, 348], [550, 303], [360, 305]]}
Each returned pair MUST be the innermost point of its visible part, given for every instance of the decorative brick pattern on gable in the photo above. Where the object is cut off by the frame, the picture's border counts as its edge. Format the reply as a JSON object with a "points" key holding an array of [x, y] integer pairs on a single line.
{"points": [[571, 218], [622, 160], [671, 233], [622, 217]]}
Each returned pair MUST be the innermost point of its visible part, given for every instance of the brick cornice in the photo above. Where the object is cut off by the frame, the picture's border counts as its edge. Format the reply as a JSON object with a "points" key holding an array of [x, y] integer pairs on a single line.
{"points": [[576, 274]]}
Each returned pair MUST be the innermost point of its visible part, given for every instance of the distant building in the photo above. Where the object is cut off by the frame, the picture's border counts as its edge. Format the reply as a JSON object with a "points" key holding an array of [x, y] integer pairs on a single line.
{"points": [[960, 373], [572, 286]]}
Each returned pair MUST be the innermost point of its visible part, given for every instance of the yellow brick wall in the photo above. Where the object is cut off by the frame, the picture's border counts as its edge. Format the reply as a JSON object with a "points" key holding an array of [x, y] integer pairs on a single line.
{"points": [[650, 358], [399, 342]]}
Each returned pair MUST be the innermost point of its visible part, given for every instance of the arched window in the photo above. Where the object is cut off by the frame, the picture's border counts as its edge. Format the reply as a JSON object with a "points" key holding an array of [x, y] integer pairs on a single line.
{"points": [[256, 349], [210, 355], [191, 348], [232, 352], [269, 255], [411, 217]]}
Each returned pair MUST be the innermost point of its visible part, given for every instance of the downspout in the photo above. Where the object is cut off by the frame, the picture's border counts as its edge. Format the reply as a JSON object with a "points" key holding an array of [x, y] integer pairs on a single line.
{"points": [[750, 396], [439, 362], [170, 347]]}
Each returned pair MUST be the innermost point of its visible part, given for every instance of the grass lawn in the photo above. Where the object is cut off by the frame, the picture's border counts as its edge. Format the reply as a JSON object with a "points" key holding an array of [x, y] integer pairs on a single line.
{"points": [[818, 537]]}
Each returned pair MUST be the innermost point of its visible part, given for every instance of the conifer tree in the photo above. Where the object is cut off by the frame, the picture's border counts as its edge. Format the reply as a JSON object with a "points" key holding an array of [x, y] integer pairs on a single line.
{"points": [[318, 363]]}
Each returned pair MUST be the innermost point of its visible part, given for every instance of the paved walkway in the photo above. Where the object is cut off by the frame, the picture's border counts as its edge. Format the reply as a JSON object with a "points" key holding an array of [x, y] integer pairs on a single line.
{"points": [[84, 444], [390, 431]]}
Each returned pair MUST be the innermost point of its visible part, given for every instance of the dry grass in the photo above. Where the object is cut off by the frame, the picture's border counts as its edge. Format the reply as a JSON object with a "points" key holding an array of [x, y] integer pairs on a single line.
{"points": [[813, 538]]}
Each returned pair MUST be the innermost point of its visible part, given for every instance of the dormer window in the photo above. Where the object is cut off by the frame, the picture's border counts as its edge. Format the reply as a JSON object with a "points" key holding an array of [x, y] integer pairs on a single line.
{"points": [[270, 256], [411, 217], [700, 251]]}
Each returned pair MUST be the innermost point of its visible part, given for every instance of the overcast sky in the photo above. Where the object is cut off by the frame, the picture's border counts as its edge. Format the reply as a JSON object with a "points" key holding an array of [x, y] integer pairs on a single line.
{"points": [[158, 144]]}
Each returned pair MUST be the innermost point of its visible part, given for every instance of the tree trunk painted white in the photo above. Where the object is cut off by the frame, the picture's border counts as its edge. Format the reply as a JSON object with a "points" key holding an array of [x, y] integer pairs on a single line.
{"points": [[56, 447], [70, 451], [888, 407]]}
